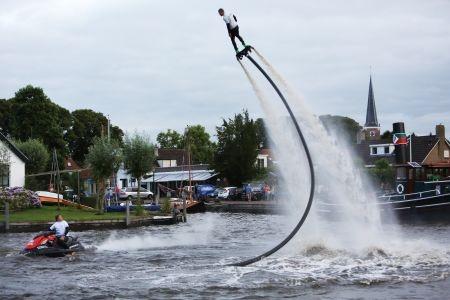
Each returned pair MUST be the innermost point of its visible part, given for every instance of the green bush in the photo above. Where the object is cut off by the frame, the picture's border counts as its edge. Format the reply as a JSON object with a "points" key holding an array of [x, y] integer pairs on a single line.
{"points": [[166, 206], [89, 201], [139, 211]]}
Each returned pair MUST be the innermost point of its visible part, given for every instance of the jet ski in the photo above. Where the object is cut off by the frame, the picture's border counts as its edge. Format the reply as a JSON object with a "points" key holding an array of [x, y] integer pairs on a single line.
{"points": [[46, 244]]}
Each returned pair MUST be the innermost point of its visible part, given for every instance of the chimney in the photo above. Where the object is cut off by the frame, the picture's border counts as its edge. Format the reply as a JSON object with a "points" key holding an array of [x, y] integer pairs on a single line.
{"points": [[400, 150], [440, 134]]}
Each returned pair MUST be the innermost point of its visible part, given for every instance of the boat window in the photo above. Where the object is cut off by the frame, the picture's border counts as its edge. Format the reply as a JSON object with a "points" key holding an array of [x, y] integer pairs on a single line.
{"points": [[401, 173]]}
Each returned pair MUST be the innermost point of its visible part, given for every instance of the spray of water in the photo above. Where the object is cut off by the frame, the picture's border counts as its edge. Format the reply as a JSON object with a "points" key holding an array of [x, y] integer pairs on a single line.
{"points": [[197, 233], [342, 187]]}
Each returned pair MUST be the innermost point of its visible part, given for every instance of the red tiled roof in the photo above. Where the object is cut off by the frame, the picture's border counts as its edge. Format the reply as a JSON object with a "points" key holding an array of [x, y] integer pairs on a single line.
{"points": [[265, 151], [180, 155], [70, 164]]}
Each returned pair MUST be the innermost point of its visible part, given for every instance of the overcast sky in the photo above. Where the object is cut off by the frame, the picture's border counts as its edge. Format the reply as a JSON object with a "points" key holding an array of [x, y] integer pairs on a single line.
{"points": [[154, 65]]}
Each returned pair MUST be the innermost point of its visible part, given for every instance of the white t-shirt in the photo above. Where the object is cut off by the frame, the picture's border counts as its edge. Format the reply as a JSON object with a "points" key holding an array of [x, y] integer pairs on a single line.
{"points": [[229, 19], [59, 227]]}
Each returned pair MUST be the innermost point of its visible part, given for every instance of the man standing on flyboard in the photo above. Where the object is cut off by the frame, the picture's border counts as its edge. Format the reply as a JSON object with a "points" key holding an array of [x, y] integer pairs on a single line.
{"points": [[233, 32]]}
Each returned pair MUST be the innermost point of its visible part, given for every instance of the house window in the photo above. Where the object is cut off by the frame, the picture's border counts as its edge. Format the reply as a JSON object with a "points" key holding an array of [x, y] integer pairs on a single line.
{"points": [[446, 154], [165, 163], [386, 150], [374, 150], [261, 163], [4, 176], [124, 182]]}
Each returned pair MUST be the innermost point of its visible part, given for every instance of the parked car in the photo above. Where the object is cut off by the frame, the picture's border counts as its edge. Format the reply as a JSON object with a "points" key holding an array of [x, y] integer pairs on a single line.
{"points": [[214, 193], [229, 193], [202, 191], [131, 193]]}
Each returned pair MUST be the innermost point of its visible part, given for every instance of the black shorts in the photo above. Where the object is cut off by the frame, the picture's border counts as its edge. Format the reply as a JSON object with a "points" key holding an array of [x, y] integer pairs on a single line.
{"points": [[235, 31]]}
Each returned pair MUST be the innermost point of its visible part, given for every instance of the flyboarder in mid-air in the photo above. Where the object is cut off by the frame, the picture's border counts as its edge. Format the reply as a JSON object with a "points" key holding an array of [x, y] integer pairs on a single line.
{"points": [[233, 32]]}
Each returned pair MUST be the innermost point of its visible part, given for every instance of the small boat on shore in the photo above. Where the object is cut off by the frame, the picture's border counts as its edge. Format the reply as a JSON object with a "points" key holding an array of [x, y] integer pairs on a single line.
{"points": [[192, 206], [52, 198]]}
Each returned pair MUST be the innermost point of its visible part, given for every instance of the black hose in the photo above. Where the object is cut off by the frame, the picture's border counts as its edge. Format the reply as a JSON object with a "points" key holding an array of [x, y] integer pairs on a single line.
{"points": [[311, 170]]}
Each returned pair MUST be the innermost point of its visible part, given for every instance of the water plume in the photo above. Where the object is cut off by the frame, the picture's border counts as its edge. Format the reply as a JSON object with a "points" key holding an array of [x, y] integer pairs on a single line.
{"points": [[197, 233], [353, 220]]}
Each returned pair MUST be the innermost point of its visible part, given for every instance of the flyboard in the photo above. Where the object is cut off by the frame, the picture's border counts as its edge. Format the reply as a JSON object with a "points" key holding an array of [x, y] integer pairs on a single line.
{"points": [[246, 53]]}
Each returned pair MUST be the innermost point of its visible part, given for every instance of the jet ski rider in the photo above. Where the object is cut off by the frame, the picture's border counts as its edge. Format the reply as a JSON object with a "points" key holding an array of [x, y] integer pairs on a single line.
{"points": [[61, 229]]}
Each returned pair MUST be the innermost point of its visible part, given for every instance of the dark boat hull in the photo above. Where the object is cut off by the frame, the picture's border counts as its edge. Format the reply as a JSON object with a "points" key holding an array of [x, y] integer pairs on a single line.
{"points": [[166, 220], [433, 208], [198, 207], [424, 208]]}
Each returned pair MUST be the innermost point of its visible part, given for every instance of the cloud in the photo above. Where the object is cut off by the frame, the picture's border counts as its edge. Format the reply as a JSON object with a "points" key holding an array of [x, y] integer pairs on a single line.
{"points": [[153, 65]]}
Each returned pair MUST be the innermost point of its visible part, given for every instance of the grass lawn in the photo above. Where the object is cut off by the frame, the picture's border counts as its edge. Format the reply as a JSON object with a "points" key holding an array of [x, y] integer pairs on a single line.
{"points": [[71, 214]]}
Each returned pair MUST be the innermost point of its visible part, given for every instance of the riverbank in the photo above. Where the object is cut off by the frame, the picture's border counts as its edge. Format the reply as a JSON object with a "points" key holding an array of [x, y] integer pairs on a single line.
{"points": [[39, 219], [252, 207]]}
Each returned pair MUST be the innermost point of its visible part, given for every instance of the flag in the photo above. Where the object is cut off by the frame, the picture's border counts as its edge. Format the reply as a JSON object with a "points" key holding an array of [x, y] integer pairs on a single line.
{"points": [[400, 139]]}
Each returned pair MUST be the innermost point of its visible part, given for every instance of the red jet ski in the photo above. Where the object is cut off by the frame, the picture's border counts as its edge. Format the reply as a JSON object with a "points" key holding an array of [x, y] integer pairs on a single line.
{"points": [[46, 244]]}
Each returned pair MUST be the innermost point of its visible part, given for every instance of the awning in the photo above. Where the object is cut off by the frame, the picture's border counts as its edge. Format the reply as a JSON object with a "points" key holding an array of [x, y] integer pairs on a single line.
{"points": [[196, 175]]}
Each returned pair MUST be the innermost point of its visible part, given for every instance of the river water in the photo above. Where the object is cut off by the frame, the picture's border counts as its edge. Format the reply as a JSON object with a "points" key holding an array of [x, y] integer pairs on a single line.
{"points": [[189, 261]]}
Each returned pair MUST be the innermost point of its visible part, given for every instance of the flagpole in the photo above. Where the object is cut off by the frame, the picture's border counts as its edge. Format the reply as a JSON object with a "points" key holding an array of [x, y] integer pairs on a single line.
{"points": [[410, 148]]}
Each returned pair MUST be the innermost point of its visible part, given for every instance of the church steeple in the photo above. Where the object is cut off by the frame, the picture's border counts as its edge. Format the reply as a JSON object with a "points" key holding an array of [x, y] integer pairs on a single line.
{"points": [[371, 129], [371, 114]]}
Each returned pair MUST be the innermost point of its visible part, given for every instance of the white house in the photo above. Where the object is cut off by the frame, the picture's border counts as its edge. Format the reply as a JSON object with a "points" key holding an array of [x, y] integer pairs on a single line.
{"points": [[14, 173], [264, 158]]}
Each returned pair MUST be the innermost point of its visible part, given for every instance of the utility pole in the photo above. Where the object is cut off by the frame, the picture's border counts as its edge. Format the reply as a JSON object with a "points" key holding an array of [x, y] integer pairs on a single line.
{"points": [[79, 192], [58, 177], [189, 172], [109, 130], [127, 212], [410, 148]]}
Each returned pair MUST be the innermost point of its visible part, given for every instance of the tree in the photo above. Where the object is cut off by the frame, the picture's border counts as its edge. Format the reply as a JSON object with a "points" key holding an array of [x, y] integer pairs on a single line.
{"points": [[346, 127], [383, 172], [88, 125], [37, 153], [34, 115], [237, 149], [5, 159], [104, 159], [38, 159], [387, 135], [170, 139], [263, 137], [5, 115], [138, 158], [200, 145]]}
